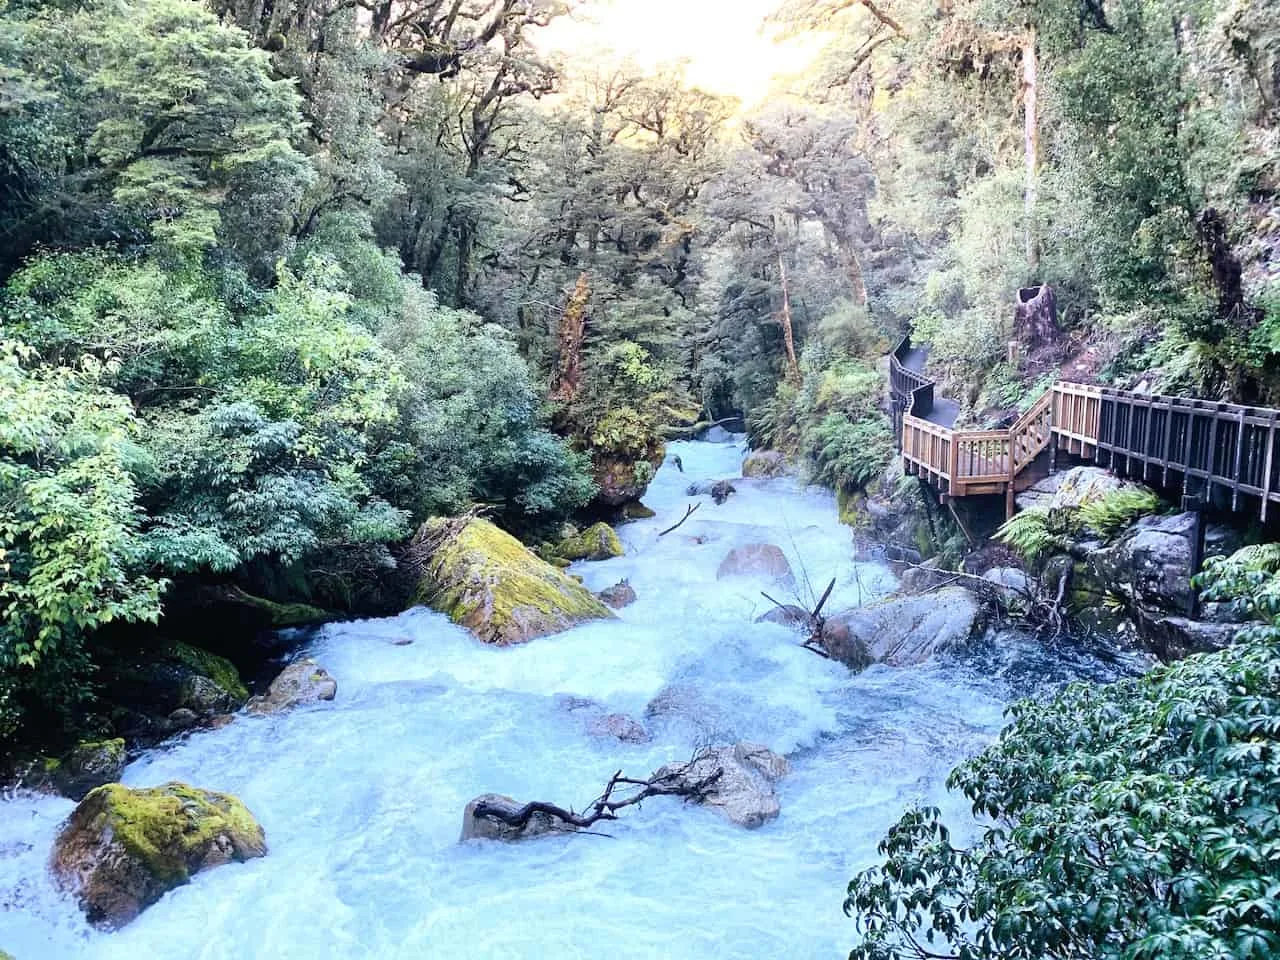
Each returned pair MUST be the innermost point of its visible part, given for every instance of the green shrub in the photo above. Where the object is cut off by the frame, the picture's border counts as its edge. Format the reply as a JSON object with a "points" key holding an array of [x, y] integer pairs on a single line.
{"points": [[1130, 821], [1116, 509]]}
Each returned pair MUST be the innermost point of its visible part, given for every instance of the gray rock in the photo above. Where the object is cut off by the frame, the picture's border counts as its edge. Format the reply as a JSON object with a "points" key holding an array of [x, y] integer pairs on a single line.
{"points": [[620, 727], [755, 560], [923, 576], [475, 827], [201, 695], [788, 615], [1014, 586], [620, 595], [303, 681], [1081, 485], [1174, 637], [182, 718], [744, 793], [1040, 494], [903, 631], [1150, 563]]}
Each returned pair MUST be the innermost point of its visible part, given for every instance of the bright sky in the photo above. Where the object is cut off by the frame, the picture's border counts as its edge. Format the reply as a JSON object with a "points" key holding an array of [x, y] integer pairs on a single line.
{"points": [[721, 41]]}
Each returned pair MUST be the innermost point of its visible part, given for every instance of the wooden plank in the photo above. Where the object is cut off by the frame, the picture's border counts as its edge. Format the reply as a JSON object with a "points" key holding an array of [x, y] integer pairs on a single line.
{"points": [[1168, 435], [1266, 477], [1146, 439], [1235, 474], [1213, 451]]}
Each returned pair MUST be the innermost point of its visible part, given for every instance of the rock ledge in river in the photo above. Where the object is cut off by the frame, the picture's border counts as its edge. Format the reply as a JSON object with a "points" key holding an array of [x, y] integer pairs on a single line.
{"points": [[903, 631]]}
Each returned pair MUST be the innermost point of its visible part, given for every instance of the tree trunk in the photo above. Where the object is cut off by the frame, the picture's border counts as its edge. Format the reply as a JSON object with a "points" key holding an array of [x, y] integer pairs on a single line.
{"points": [[573, 327], [1031, 141], [788, 334]]}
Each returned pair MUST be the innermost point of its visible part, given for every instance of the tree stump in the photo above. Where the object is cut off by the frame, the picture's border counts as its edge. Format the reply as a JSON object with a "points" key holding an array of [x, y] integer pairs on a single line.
{"points": [[1035, 318]]}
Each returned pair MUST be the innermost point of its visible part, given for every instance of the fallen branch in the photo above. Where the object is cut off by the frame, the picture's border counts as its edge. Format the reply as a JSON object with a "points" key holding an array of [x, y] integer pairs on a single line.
{"points": [[605, 806], [688, 512]]}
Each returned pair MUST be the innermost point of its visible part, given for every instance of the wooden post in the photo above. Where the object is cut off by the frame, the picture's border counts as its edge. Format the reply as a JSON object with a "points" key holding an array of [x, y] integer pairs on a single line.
{"points": [[1196, 505], [1235, 476], [1168, 434], [1266, 479]]}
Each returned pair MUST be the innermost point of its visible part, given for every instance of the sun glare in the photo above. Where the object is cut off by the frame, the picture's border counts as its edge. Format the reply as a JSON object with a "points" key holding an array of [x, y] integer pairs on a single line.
{"points": [[725, 45]]}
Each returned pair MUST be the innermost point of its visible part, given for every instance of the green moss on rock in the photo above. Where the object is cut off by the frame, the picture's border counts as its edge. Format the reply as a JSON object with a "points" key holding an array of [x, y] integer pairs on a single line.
{"points": [[487, 581], [635, 510], [282, 615], [218, 669], [597, 542], [123, 849]]}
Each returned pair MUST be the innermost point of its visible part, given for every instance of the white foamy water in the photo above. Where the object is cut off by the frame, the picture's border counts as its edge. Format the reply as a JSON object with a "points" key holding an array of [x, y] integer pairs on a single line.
{"points": [[362, 799]]}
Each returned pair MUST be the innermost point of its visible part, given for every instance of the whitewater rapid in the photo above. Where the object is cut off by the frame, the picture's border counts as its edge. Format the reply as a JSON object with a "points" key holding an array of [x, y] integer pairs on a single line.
{"points": [[362, 798]]}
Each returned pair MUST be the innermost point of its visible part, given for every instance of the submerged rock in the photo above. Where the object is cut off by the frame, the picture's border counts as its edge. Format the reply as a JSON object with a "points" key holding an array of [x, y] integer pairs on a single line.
{"points": [[122, 849], [620, 595], [764, 463], [620, 727], [755, 560], [789, 615], [597, 542], [475, 827], [635, 510], [88, 765], [487, 581], [303, 681], [744, 793], [904, 631]]}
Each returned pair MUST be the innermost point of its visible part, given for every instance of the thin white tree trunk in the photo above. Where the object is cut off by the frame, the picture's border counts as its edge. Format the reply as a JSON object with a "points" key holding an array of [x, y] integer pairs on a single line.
{"points": [[1031, 142]]}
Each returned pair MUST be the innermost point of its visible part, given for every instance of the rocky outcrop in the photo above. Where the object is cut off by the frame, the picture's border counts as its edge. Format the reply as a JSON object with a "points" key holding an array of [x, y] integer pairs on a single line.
{"points": [[146, 688], [1073, 489], [301, 682], [764, 463], [718, 490], [487, 581], [88, 765], [744, 793], [621, 479], [597, 542], [122, 849], [485, 828], [755, 560], [903, 631], [620, 595]]}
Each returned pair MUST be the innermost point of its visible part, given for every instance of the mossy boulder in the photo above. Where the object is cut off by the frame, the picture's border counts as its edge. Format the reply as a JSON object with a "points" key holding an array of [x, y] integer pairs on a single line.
{"points": [[176, 676], [597, 542], [764, 463], [89, 764], [487, 581], [123, 849], [635, 510]]}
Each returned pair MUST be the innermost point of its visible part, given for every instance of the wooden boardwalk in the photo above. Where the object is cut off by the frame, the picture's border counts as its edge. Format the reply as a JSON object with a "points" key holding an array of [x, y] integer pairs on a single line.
{"points": [[1217, 451]]}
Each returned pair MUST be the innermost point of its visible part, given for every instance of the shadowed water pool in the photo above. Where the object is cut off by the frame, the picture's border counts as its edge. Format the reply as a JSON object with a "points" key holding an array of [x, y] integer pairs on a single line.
{"points": [[362, 799]]}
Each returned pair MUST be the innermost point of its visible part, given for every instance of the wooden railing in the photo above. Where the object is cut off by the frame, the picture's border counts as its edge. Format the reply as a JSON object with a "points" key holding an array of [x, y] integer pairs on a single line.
{"points": [[1220, 449]]}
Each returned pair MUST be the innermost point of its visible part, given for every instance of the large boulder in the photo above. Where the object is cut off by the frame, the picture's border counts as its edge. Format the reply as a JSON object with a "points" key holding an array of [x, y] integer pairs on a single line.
{"points": [[755, 560], [1150, 563], [1081, 485], [764, 463], [487, 581], [597, 542], [303, 681], [744, 793], [88, 765], [476, 826], [122, 849], [903, 631]]}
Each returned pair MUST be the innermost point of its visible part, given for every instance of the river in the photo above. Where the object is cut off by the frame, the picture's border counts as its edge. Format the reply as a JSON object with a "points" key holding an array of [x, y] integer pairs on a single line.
{"points": [[362, 798]]}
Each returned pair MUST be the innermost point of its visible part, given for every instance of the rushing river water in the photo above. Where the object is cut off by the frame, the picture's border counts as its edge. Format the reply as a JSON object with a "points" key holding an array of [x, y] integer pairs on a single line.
{"points": [[362, 798]]}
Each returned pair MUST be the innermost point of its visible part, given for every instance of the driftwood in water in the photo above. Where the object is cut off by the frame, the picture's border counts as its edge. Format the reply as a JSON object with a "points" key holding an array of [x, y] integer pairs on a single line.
{"points": [[812, 620], [606, 806], [688, 512]]}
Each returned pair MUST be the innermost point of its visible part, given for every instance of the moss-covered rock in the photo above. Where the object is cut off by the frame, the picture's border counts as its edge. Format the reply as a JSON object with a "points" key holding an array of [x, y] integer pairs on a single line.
{"points": [[487, 581], [597, 542], [635, 510], [122, 849], [176, 676], [220, 670], [88, 765], [764, 463]]}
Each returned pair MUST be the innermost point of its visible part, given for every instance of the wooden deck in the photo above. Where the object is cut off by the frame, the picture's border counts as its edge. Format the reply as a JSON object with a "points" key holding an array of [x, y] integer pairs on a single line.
{"points": [[1214, 449]]}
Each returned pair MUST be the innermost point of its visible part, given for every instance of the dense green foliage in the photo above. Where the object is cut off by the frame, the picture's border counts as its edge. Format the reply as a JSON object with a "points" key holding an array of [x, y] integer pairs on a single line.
{"points": [[1136, 820]]}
